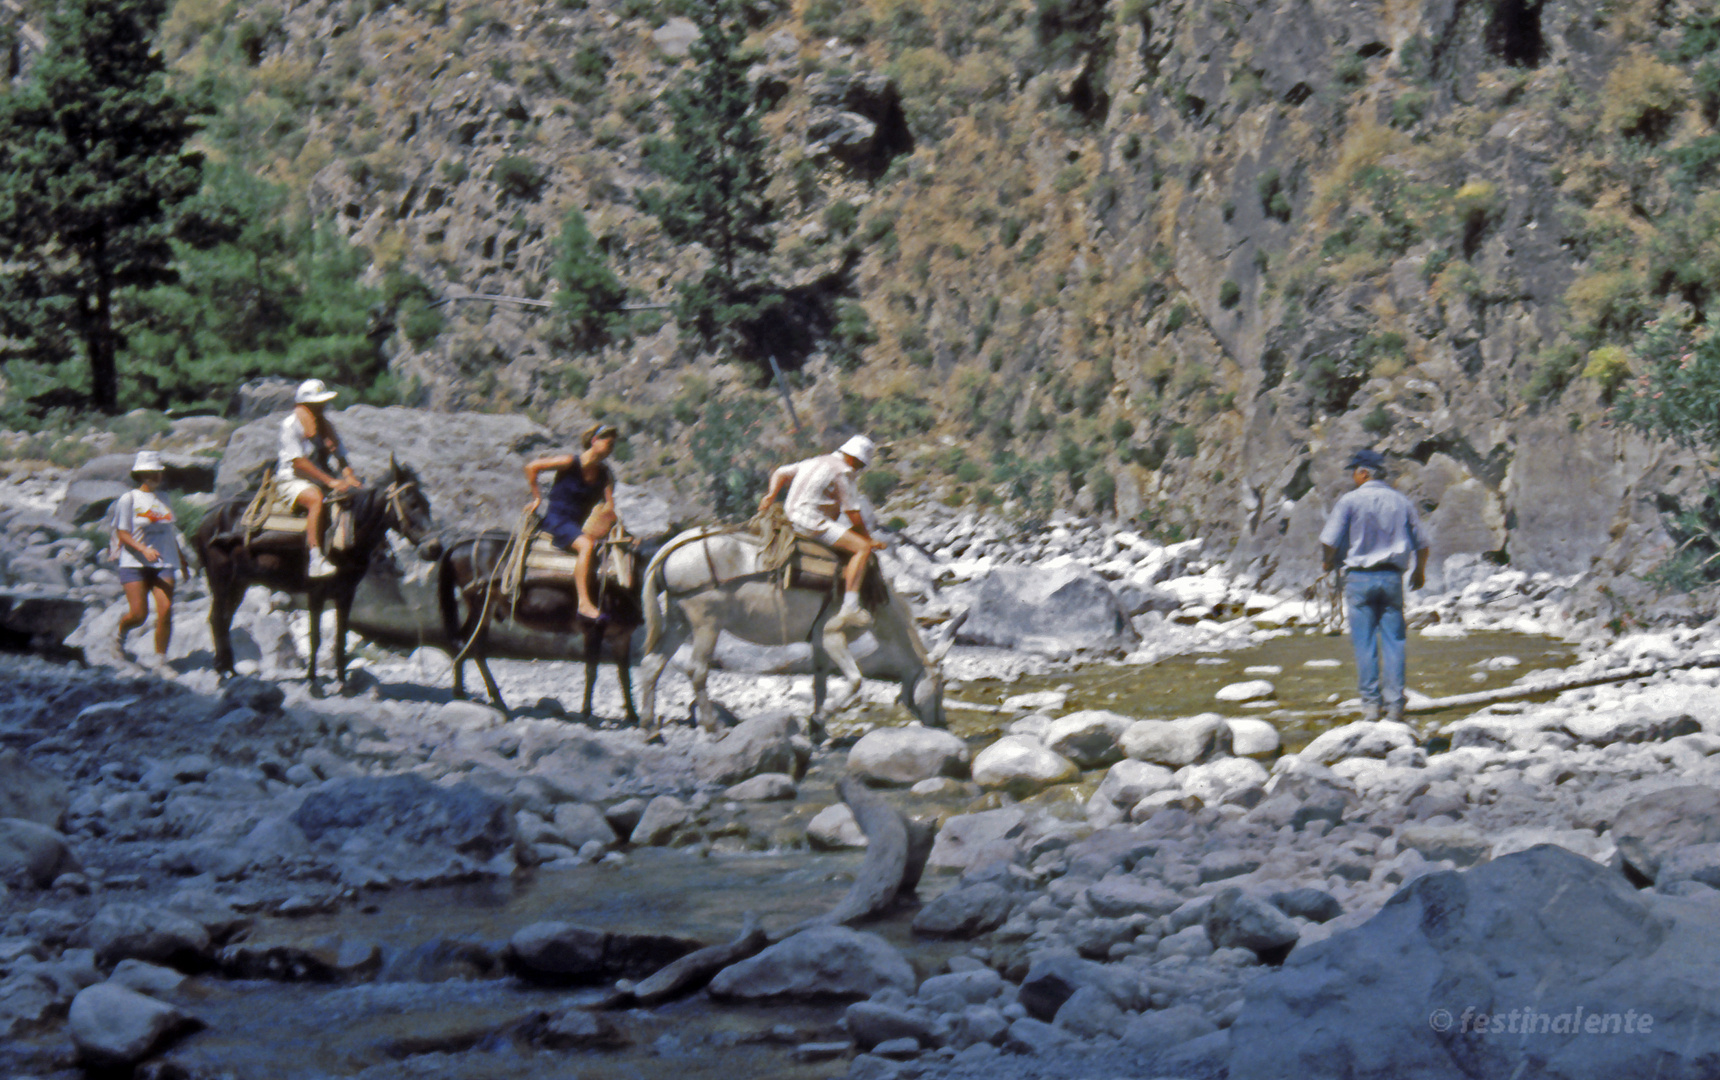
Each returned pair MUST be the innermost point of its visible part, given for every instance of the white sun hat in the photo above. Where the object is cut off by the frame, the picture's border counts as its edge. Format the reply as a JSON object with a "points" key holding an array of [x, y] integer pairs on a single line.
{"points": [[313, 392], [860, 448], [147, 461]]}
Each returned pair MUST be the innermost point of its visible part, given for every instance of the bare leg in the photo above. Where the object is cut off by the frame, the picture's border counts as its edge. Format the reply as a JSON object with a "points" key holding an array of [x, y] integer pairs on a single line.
{"points": [[311, 501], [163, 617], [136, 598], [582, 577]]}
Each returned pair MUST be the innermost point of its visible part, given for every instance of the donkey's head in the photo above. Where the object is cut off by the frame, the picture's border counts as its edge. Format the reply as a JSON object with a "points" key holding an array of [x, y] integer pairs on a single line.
{"points": [[928, 694], [408, 508]]}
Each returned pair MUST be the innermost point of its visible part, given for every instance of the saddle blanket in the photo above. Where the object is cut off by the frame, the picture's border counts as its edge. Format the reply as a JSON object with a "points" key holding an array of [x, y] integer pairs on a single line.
{"points": [[544, 558]]}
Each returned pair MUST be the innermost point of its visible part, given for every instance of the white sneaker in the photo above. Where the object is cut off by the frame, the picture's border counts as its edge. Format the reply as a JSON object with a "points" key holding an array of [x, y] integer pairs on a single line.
{"points": [[320, 567]]}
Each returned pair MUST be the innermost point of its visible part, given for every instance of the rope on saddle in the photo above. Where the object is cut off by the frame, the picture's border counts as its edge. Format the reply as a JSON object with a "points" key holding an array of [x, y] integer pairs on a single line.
{"points": [[257, 511], [776, 536], [505, 581]]}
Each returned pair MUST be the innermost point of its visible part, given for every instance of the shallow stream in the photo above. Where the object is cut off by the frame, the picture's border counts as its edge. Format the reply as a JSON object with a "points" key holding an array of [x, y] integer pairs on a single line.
{"points": [[438, 1007]]}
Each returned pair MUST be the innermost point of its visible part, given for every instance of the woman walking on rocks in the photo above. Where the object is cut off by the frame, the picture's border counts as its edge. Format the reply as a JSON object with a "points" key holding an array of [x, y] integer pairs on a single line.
{"points": [[581, 502], [149, 557]]}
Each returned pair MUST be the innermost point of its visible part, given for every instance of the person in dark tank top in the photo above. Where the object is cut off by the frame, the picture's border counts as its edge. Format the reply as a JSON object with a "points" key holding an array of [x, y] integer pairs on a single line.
{"points": [[580, 509]]}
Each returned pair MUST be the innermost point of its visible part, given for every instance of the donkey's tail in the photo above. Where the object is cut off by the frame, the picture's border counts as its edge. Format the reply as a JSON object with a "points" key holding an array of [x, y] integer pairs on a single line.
{"points": [[648, 600]]}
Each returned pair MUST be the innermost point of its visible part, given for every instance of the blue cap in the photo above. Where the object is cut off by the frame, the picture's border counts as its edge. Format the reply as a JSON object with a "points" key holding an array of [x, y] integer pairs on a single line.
{"points": [[1371, 460]]}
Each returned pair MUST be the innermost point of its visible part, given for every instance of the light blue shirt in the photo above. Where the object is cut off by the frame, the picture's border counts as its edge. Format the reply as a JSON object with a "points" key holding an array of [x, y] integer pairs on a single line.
{"points": [[1375, 527]]}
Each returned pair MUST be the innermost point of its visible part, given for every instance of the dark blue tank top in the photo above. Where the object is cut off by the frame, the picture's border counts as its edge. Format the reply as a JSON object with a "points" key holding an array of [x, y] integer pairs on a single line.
{"points": [[571, 499]]}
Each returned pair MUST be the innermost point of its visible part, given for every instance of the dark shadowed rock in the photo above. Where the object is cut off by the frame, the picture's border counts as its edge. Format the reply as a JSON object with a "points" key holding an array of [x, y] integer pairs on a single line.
{"points": [[564, 953], [964, 912], [407, 809], [32, 854], [1661, 822], [140, 932], [1542, 930], [29, 793]]}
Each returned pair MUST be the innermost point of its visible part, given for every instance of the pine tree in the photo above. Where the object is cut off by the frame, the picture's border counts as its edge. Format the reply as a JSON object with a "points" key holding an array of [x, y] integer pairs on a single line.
{"points": [[93, 167], [716, 162], [589, 302]]}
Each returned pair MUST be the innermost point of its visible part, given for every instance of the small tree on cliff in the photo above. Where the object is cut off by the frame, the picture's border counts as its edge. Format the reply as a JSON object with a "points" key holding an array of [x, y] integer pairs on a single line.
{"points": [[715, 161], [93, 166]]}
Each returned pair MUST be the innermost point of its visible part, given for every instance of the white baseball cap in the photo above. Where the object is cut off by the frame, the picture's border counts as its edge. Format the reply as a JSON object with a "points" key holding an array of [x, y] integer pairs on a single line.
{"points": [[859, 448], [147, 461], [313, 392]]}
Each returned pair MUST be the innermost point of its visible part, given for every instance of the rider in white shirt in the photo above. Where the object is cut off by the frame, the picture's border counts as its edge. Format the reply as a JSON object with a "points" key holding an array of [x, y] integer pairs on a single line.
{"points": [[305, 467], [824, 504]]}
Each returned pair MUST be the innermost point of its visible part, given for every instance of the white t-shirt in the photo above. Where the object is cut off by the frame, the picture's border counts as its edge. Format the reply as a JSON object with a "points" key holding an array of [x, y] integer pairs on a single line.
{"points": [[822, 491], [297, 443], [149, 520]]}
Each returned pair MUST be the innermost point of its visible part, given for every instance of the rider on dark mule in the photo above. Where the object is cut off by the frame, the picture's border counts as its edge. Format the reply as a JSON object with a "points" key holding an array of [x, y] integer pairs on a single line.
{"points": [[304, 468], [583, 484]]}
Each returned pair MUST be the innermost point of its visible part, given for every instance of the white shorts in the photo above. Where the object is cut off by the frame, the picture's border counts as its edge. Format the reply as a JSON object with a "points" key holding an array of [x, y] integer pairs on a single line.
{"points": [[287, 491], [824, 531]]}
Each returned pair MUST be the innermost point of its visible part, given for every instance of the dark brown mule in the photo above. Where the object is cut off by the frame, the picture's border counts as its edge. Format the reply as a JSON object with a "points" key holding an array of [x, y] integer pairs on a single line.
{"points": [[277, 560], [470, 573]]}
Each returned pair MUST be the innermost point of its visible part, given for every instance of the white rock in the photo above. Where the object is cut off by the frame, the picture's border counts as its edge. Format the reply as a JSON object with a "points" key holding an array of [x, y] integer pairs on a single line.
{"points": [[1038, 701], [1089, 737], [1253, 738], [114, 1026], [1020, 763], [1212, 782], [1252, 690], [1177, 742], [972, 839], [765, 787], [1323, 663], [1365, 738], [1130, 781], [834, 828], [907, 755]]}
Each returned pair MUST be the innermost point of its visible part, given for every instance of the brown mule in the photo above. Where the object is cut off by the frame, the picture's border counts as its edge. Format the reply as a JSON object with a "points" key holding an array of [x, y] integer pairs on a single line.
{"points": [[471, 572]]}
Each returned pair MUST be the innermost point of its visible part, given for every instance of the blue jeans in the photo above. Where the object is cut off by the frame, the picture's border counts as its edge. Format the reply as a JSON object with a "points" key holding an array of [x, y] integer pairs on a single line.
{"points": [[1375, 599]]}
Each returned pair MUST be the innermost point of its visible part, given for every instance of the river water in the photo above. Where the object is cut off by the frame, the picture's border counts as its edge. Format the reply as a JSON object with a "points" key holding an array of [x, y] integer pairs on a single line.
{"points": [[438, 1007]]}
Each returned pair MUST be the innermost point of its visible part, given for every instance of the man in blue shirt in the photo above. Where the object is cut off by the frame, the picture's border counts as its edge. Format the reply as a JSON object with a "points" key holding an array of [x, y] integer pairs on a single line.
{"points": [[1376, 532]]}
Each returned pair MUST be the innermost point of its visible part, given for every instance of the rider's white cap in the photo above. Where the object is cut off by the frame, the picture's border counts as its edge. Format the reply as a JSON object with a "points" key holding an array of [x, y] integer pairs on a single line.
{"points": [[147, 461], [313, 392], [859, 448]]}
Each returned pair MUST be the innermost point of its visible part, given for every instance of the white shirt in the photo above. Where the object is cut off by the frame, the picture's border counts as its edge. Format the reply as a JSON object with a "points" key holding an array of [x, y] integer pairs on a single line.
{"points": [[150, 523], [297, 443], [822, 490]]}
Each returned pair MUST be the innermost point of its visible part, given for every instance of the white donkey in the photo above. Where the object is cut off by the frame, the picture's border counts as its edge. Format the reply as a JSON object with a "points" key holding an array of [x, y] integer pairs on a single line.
{"points": [[712, 581]]}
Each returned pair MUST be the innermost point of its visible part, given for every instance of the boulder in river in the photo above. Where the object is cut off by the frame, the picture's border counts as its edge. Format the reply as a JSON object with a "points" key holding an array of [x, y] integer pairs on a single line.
{"points": [[662, 816], [410, 828], [1364, 738], [1595, 978], [128, 931], [968, 840], [906, 755], [1089, 738], [1188, 741], [762, 744], [965, 911], [114, 1027], [1017, 763], [1649, 829], [829, 963], [32, 854], [564, 953], [29, 793], [1055, 610], [834, 828]]}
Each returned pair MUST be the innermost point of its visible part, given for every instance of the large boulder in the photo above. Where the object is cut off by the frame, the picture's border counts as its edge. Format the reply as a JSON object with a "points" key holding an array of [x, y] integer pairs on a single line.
{"points": [[966, 911], [968, 840], [1238, 919], [406, 827], [127, 931], [831, 963], [114, 1027], [1047, 610], [907, 755], [1542, 941], [1189, 741], [180, 472], [1652, 827], [29, 793], [88, 501], [32, 854], [1364, 738], [559, 952], [1020, 764], [763, 744], [1088, 737]]}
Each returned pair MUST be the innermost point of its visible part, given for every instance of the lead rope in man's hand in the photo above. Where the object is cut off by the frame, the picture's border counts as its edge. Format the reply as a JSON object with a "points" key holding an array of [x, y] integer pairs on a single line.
{"points": [[1329, 601]]}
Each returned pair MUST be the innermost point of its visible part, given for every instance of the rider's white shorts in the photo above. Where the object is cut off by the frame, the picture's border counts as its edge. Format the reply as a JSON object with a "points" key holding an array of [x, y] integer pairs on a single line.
{"points": [[823, 530], [288, 491]]}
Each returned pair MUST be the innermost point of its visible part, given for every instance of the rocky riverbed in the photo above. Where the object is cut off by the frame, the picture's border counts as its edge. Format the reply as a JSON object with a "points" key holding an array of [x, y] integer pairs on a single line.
{"points": [[200, 875]]}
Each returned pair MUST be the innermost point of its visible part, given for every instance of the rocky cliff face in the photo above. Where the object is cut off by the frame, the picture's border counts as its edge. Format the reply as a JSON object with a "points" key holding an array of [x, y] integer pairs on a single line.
{"points": [[1167, 259]]}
